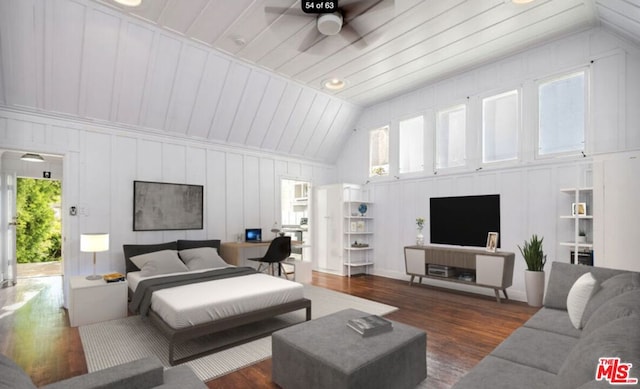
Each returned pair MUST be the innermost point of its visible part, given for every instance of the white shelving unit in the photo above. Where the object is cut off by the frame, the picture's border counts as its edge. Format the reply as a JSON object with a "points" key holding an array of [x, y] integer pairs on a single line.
{"points": [[357, 230], [582, 220]]}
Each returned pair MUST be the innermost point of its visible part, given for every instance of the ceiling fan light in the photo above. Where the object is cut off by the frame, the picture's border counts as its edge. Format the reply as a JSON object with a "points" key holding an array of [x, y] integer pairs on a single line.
{"points": [[334, 84], [329, 24], [32, 157], [129, 3]]}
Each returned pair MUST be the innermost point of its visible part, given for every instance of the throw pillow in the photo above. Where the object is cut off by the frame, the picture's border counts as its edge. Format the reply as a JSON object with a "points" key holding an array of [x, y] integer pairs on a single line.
{"points": [[202, 258], [140, 260], [579, 296], [160, 262]]}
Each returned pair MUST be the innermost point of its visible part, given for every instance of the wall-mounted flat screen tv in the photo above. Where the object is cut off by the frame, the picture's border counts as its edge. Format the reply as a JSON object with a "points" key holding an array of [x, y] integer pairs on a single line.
{"points": [[464, 220]]}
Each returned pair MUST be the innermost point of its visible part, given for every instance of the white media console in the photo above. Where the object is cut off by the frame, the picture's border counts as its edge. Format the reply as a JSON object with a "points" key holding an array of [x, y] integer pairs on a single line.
{"points": [[475, 267]]}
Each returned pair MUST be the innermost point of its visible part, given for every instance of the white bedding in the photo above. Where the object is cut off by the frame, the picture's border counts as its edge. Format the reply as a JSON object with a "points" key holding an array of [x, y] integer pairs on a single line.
{"points": [[193, 304]]}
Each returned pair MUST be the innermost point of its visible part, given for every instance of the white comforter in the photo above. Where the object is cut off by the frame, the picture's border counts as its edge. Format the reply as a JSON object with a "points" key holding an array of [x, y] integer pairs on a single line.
{"points": [[188, 305]]}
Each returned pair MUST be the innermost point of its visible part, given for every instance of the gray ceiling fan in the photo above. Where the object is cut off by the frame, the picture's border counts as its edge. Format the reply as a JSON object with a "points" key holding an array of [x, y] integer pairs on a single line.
{"points": [[333, 20]]}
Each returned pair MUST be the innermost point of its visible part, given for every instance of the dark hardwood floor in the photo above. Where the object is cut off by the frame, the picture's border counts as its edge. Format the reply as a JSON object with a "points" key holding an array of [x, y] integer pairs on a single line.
{"points": [[461, 328]]}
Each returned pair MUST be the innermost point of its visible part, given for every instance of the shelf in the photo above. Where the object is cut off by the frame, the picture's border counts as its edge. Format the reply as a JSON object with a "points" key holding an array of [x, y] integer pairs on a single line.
{"points": [[359, 217], [358, 248], [576, 217], [358, 264], [573, 190], [574, 244], [358, 202], [358, 233]]}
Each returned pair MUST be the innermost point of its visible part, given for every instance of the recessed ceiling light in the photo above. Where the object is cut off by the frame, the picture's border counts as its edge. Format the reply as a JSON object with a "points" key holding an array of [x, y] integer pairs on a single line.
{"points": [[334, 84], [129, 3], [521, 1]]}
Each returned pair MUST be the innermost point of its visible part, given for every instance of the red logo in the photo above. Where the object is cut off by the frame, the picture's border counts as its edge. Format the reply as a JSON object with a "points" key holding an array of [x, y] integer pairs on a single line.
{"points": [[614, 371]]}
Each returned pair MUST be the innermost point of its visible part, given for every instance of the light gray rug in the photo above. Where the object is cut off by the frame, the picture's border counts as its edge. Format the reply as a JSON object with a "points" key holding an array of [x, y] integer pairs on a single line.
{"points": [[119, 341]]}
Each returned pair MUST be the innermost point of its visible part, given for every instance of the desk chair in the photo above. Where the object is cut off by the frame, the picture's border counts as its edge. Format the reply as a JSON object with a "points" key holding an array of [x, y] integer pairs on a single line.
{"points": [[278, 251]]}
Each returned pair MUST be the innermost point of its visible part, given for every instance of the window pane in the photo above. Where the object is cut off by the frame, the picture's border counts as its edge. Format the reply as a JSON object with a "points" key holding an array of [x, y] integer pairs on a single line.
{"points": [[450, 137], [411, 138], [562, 115], [379, 152], [500, 118]]}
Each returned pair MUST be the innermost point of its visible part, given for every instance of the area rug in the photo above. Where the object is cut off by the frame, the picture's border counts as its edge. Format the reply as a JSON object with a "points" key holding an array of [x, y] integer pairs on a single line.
{"points": [[119, 341]]}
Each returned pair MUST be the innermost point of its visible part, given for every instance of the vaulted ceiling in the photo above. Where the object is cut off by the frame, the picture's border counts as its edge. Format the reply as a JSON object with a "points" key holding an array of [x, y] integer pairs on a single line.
{"points": [[229, 71]]}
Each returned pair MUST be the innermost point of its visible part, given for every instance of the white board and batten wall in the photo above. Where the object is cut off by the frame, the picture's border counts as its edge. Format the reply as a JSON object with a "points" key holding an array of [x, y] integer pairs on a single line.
{"points": [[100, 163], [529, 188]]}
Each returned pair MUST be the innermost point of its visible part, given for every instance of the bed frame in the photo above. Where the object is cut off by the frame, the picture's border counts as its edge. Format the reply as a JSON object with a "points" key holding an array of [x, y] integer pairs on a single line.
{"points": [[183, 335]]}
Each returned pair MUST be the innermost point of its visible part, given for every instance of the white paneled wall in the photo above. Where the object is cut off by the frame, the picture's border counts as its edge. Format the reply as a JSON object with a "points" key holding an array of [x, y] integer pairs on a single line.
{"points": [[100, 163], [529, 188]]}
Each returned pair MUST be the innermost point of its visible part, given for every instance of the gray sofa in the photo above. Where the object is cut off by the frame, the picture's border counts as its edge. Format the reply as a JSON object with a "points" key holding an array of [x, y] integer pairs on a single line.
{"points": [[548, 351], [141, 374]]}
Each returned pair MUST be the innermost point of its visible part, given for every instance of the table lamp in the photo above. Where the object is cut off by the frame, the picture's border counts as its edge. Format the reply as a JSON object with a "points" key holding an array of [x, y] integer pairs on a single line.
{"points": [[92, 243]]}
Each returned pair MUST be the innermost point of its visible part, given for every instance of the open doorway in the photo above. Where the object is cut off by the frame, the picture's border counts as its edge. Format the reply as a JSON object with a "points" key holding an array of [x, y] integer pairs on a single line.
{"points": [[38, 227], [295, 207]]}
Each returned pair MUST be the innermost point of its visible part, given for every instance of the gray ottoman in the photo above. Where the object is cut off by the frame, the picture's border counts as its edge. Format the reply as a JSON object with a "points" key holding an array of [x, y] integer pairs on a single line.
{"points": [[325, 353]]}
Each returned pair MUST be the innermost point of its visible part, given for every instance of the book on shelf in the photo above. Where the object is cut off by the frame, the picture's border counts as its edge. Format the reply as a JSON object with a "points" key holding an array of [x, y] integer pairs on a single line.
{"points": [[370, 325]]}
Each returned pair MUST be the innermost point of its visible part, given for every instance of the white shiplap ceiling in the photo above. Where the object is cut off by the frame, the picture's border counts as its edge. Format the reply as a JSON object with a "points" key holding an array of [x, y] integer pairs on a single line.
{"points": [[229, 72]]}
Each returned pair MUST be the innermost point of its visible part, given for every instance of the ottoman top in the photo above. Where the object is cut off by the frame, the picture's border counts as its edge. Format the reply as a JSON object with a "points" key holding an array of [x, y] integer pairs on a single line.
{"points": [[330, 340]]}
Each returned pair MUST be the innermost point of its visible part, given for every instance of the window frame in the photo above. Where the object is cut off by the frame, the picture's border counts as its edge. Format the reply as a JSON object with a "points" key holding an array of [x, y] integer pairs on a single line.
{"points": [[370, 165], [519, 126], [587, 109], [450, 108], [422, 144]]}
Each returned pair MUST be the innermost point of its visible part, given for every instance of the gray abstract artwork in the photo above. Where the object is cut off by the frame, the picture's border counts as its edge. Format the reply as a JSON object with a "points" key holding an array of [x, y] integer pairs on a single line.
{"points": [[163, 206]]}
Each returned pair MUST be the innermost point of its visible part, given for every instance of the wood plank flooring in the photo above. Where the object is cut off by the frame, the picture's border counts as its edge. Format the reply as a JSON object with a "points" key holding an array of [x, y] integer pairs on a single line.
{"points": [[461, 328]]}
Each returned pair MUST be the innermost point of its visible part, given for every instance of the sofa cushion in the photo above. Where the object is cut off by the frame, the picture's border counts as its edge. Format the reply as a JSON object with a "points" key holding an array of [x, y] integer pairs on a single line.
{"points": [[620, 338], [535, 348], [562, 277], [12, 376], [496, 373], [553, 320], [579, 296], [609, 289], [626, 304]]}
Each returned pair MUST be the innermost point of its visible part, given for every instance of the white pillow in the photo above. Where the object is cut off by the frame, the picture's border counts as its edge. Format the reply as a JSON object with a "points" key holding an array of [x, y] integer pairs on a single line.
{"points": [[202, 258], [579, 296], [159, 262], [140, 260]]}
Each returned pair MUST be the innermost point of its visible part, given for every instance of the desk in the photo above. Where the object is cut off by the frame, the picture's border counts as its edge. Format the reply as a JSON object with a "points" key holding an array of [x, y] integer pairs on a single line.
{"points": [[232, 252]]}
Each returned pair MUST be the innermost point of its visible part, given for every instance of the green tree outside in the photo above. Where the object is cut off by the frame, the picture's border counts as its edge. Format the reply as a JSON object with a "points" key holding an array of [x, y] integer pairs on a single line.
{"points": [[38, 232]]}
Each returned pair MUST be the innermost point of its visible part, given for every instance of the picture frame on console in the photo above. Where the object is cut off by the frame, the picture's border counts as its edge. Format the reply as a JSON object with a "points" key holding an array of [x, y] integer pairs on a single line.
{"points": [[492, 241]]}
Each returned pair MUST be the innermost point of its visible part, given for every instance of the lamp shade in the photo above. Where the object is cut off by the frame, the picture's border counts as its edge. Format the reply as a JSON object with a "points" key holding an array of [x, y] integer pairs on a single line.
{"points": [[95, 242], [32, 157]]}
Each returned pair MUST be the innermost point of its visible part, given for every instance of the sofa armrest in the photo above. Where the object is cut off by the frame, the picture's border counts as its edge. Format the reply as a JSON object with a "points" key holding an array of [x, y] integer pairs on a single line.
{"points": [[140, 374], [181, 377]]}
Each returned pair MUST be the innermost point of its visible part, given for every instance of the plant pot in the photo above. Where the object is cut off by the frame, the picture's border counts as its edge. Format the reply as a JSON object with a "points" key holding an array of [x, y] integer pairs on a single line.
{"points": [[534, 284], [582, 239]]}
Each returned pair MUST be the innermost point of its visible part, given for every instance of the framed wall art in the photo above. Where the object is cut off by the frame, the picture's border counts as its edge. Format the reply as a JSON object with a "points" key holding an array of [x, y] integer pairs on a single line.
{"points": [[164, 206]]}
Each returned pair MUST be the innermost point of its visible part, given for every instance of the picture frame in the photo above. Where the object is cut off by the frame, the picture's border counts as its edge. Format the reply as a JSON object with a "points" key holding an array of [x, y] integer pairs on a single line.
{"points": [[159, 206], [354, 226], [578, 209], [492, 242]]}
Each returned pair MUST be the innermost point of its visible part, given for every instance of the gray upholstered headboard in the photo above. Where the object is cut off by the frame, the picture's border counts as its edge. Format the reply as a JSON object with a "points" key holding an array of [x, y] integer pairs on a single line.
{"points": [[131, 250]]}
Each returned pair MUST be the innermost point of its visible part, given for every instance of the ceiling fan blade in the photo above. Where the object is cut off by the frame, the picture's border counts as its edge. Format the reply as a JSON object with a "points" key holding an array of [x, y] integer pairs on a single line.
{"points": [[350, 33], [284, 11], [313, 37]]}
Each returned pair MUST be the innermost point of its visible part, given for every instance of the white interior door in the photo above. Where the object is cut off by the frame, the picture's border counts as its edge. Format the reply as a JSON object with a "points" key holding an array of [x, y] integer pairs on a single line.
{"points": [[8, 239]]}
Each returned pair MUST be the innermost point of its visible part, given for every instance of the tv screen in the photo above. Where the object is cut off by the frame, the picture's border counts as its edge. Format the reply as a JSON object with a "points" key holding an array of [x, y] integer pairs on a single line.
{"points": [[464, 220]]}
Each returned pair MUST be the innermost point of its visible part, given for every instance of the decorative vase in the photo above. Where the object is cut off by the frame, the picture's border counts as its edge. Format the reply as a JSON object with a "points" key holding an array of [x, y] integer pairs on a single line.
{"points": [[534, 284], [419, 238]]}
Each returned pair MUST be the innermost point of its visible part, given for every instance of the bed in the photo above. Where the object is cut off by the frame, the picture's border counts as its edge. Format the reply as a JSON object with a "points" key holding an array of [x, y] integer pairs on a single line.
{"points": [[198, 294]]}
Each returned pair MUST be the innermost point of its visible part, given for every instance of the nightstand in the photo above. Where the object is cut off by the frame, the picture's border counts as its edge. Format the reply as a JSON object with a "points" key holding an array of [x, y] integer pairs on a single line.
{"points": [[96, 301]]}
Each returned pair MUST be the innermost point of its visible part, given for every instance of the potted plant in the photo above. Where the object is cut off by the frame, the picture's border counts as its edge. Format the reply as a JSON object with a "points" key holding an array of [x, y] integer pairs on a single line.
{"points": [[534, 275], [582, 237]]}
